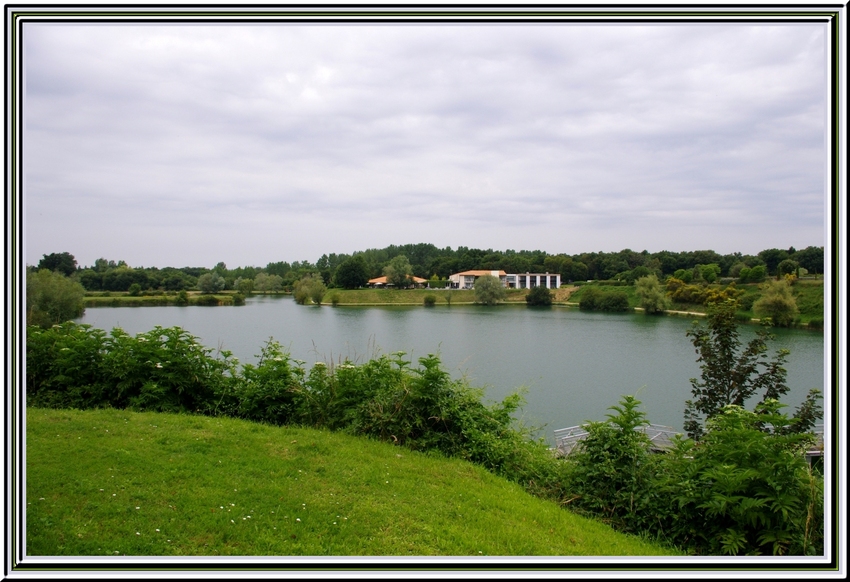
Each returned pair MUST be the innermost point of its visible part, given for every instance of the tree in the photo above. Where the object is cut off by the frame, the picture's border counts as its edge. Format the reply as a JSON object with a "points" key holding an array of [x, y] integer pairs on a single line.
{"points": [[65, 263], [652, 295], [309, 287], [811, 259], [787, 267], [539, 296], [53, 298], [264, 283], [489, 290], [778, 303], [772, 258], [732, 374], [398, 272], [210, 283], [352, 273], [244, 285]]}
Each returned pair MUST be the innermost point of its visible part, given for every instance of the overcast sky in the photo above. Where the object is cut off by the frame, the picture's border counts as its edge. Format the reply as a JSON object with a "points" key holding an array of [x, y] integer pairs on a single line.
{"points": [[167, 145]]}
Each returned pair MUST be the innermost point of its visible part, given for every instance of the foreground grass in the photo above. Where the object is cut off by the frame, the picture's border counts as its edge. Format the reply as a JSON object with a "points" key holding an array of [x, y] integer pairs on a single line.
{"points": [[114, 482]]}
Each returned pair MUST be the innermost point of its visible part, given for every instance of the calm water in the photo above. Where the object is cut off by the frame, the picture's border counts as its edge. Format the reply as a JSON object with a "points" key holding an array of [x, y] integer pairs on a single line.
{"points": [[574, 364]]}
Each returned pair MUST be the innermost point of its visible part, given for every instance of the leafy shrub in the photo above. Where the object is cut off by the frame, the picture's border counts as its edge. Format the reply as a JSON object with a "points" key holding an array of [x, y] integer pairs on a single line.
{"points": [[182, 298], [266, 392], [611, 473], [429, 300], [745, 490], [777, 303], [614, 301], [206, 300], [590, 299], [238, 299], [335, 299], [539, 296], [135, 290]]}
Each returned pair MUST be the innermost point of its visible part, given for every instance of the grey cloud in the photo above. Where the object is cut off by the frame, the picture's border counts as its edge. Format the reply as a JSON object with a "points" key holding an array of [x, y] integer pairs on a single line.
{"points": [[475, 127]]}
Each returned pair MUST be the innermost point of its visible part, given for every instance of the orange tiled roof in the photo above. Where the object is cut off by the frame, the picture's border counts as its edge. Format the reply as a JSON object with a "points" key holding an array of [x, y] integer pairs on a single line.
{"points": [[383, 280], [481, 273]]}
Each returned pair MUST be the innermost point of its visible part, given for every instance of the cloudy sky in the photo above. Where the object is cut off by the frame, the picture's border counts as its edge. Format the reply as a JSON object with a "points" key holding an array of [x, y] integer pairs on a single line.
{"points": [[176, 145]]}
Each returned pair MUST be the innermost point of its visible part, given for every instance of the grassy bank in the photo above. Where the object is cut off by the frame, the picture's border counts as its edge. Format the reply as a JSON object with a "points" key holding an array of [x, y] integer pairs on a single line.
{"points": [[118, 299], [114, 482]]}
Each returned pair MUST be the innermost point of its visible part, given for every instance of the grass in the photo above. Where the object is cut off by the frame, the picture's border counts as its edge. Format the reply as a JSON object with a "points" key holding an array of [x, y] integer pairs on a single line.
{"points": [[113, 482], [398, 296], [119, 299]]}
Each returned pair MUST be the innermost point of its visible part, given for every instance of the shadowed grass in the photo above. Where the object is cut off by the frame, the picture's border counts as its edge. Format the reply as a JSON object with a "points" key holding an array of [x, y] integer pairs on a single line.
{"points": [[114, 482]]}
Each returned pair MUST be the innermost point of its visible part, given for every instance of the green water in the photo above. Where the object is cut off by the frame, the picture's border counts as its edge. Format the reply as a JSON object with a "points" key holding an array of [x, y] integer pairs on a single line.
{"points": [[575, 364]]}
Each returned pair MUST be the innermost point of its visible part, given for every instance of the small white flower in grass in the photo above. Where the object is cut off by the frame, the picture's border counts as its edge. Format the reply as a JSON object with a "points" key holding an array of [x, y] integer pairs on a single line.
{"points": [[157, 529], [297, 519], [221, 507], [138, 508], [231, 521], [138, 534]]}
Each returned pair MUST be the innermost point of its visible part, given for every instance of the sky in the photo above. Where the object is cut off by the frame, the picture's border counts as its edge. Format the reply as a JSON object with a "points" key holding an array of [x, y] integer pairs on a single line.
{"points": [[187, 145]]}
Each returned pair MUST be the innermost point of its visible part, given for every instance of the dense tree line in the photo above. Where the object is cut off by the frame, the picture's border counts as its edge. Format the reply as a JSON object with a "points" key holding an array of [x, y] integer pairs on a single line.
{"points": [[428, 261]]}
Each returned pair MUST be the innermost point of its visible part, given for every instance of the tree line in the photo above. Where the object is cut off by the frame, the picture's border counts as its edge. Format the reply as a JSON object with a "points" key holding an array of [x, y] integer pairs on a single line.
{"points": [[431, 262]]}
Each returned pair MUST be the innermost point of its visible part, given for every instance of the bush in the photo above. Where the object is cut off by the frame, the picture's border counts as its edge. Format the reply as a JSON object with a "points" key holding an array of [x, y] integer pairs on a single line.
{"points": [[614, 301], [539, 296], [335, 298], [777, 303], [429, 300], [590, 298], [206, 300], [745, 490], [182, 298], [135, 290], [611, 473], [238, 299]]}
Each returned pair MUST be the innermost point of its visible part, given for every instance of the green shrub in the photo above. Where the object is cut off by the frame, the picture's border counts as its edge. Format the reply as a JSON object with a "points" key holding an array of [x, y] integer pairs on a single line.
{"points": [[182, 298], [335, 298], [590, 299], [745, 490], [539, 296], [206, 300], [429, 300], [614, 301], [777, 303], [611, 472], [135, 290], [238, 299]]}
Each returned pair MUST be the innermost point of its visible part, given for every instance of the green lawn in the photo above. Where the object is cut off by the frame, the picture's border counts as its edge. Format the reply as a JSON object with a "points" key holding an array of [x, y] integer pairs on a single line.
{"points": [[113, 482]]}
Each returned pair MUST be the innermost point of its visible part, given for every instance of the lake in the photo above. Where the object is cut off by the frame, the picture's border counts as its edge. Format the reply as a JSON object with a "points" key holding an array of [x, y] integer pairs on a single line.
{"points": [[575, 364]]}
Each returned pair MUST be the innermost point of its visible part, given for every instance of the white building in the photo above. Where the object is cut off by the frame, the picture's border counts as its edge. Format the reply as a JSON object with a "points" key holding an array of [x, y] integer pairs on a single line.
{"points": [[466, 279]]}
